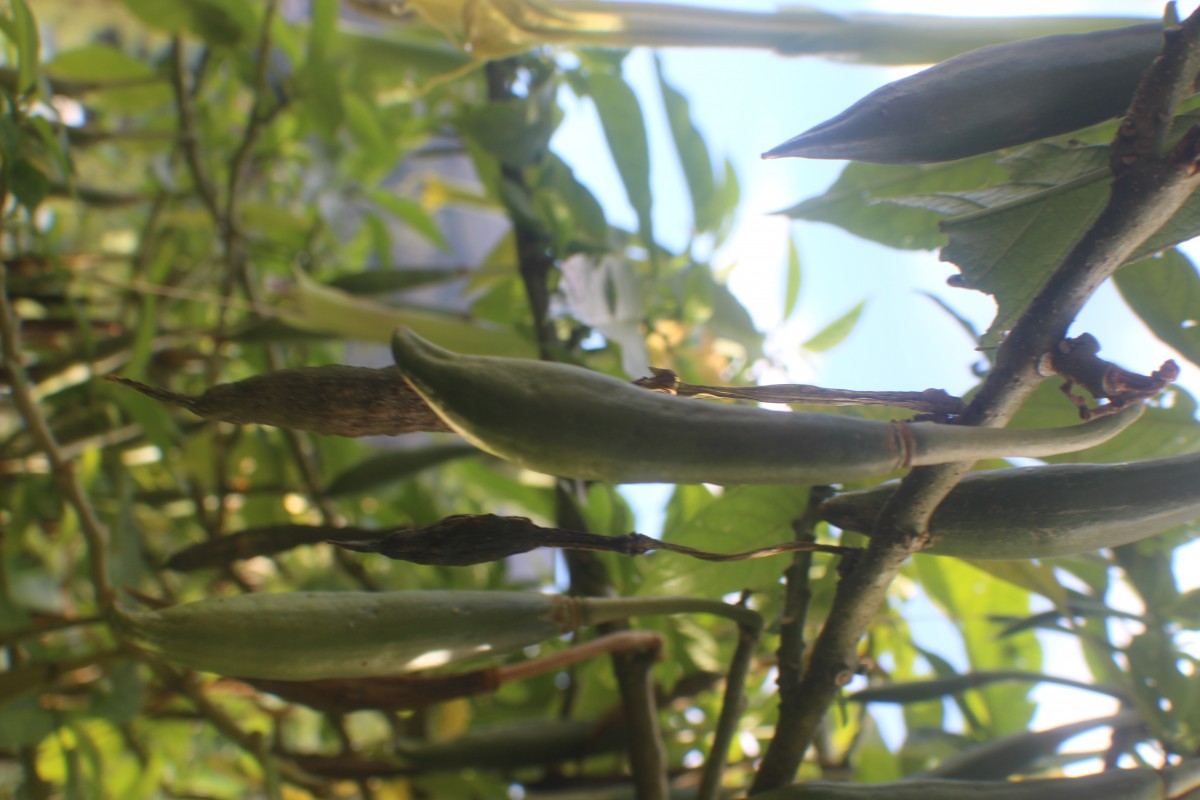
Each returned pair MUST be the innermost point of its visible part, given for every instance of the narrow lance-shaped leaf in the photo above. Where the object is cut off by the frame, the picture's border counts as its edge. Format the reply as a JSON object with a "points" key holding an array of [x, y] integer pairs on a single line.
{"points": [[791, 289], [1014, 754], [625, 131], [311, 306], [693, 153], [936, 688], [835, 332], [324, 104]]}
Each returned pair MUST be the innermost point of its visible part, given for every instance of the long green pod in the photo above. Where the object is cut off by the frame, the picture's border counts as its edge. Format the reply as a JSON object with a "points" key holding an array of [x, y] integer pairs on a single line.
{"points": [[315, 635], [1126, 784], [573, 422], [994, 97], [1041, 512]]}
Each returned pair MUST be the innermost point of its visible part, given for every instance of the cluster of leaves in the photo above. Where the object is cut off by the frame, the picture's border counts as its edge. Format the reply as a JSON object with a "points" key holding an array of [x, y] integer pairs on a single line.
{"points": [[191, 197]]}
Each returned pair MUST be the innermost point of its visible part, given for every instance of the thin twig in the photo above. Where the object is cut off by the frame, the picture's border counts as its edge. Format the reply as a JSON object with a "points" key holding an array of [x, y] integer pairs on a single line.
{"points": [[732, 706], [11, 638], [189, 140], [1148, 189], [63, 468], [647, 753], [467, 539], [534, 260], [589, 577], [786, 750], [930, 401]]}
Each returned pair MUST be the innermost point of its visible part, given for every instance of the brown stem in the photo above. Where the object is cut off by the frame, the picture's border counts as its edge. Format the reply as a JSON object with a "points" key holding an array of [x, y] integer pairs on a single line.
{"points": [[787, 748], [647, 753], [63, 468], [467, 539], [930, 401], [1148, 189]]}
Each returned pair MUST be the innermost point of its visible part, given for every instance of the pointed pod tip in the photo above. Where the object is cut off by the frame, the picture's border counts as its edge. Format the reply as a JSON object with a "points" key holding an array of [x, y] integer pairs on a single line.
{"points": [[409, 347], [779, 151]]}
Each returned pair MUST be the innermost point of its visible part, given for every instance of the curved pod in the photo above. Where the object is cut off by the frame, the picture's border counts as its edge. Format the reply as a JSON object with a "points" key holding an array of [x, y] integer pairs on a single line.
{"points": [[1042, 512], [573, 422], [1126, 784], [315, 635], [994, 97], [311, 635]]}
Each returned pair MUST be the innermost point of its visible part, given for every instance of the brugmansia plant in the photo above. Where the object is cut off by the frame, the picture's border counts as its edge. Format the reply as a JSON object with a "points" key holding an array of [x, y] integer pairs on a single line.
{"points": [[236, 565]]}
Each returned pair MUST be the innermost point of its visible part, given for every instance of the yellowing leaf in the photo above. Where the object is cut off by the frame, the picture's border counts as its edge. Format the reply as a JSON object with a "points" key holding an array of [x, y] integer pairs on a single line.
{"points": [[311, 306]]}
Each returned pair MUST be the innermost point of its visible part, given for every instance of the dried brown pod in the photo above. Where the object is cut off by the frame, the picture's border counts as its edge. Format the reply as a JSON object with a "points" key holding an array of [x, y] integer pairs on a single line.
{"points": [[334, 400]]}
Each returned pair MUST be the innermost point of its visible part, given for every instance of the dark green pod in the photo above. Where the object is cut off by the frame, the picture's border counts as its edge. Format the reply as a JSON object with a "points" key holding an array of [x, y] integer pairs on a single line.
{"points": [[1042, 512], [991, 98], [1126, 784]]}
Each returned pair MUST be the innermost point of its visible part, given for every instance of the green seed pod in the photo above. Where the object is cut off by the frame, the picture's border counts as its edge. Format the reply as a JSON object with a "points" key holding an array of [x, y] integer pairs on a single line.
{"points": [[1042, 512], [1127, 784], [568, 421], [314, 635], [994, 97]]}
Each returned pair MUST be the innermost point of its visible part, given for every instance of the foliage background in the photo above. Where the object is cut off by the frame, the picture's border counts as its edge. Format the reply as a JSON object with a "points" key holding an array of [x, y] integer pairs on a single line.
{"points": [[167, 238]]}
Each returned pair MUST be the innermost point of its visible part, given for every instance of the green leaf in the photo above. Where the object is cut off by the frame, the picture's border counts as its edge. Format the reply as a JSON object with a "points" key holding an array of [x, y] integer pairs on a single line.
{"points": [[516, 131], [28, 183], [169, 16], [364, 123], [1027, 575], [1019, 233], [105, 63], [835, 332], [854, 204], [221, 23], [24, 722], [22, 29], [1165, 292], [791, 291], [310, 306], [1014, 754], [97, 62], [413, 214], [322, 77], [387, 281], [564, 203], [743, 518], [625, 131], [966, 594], [394, 467], [693, 153]]}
